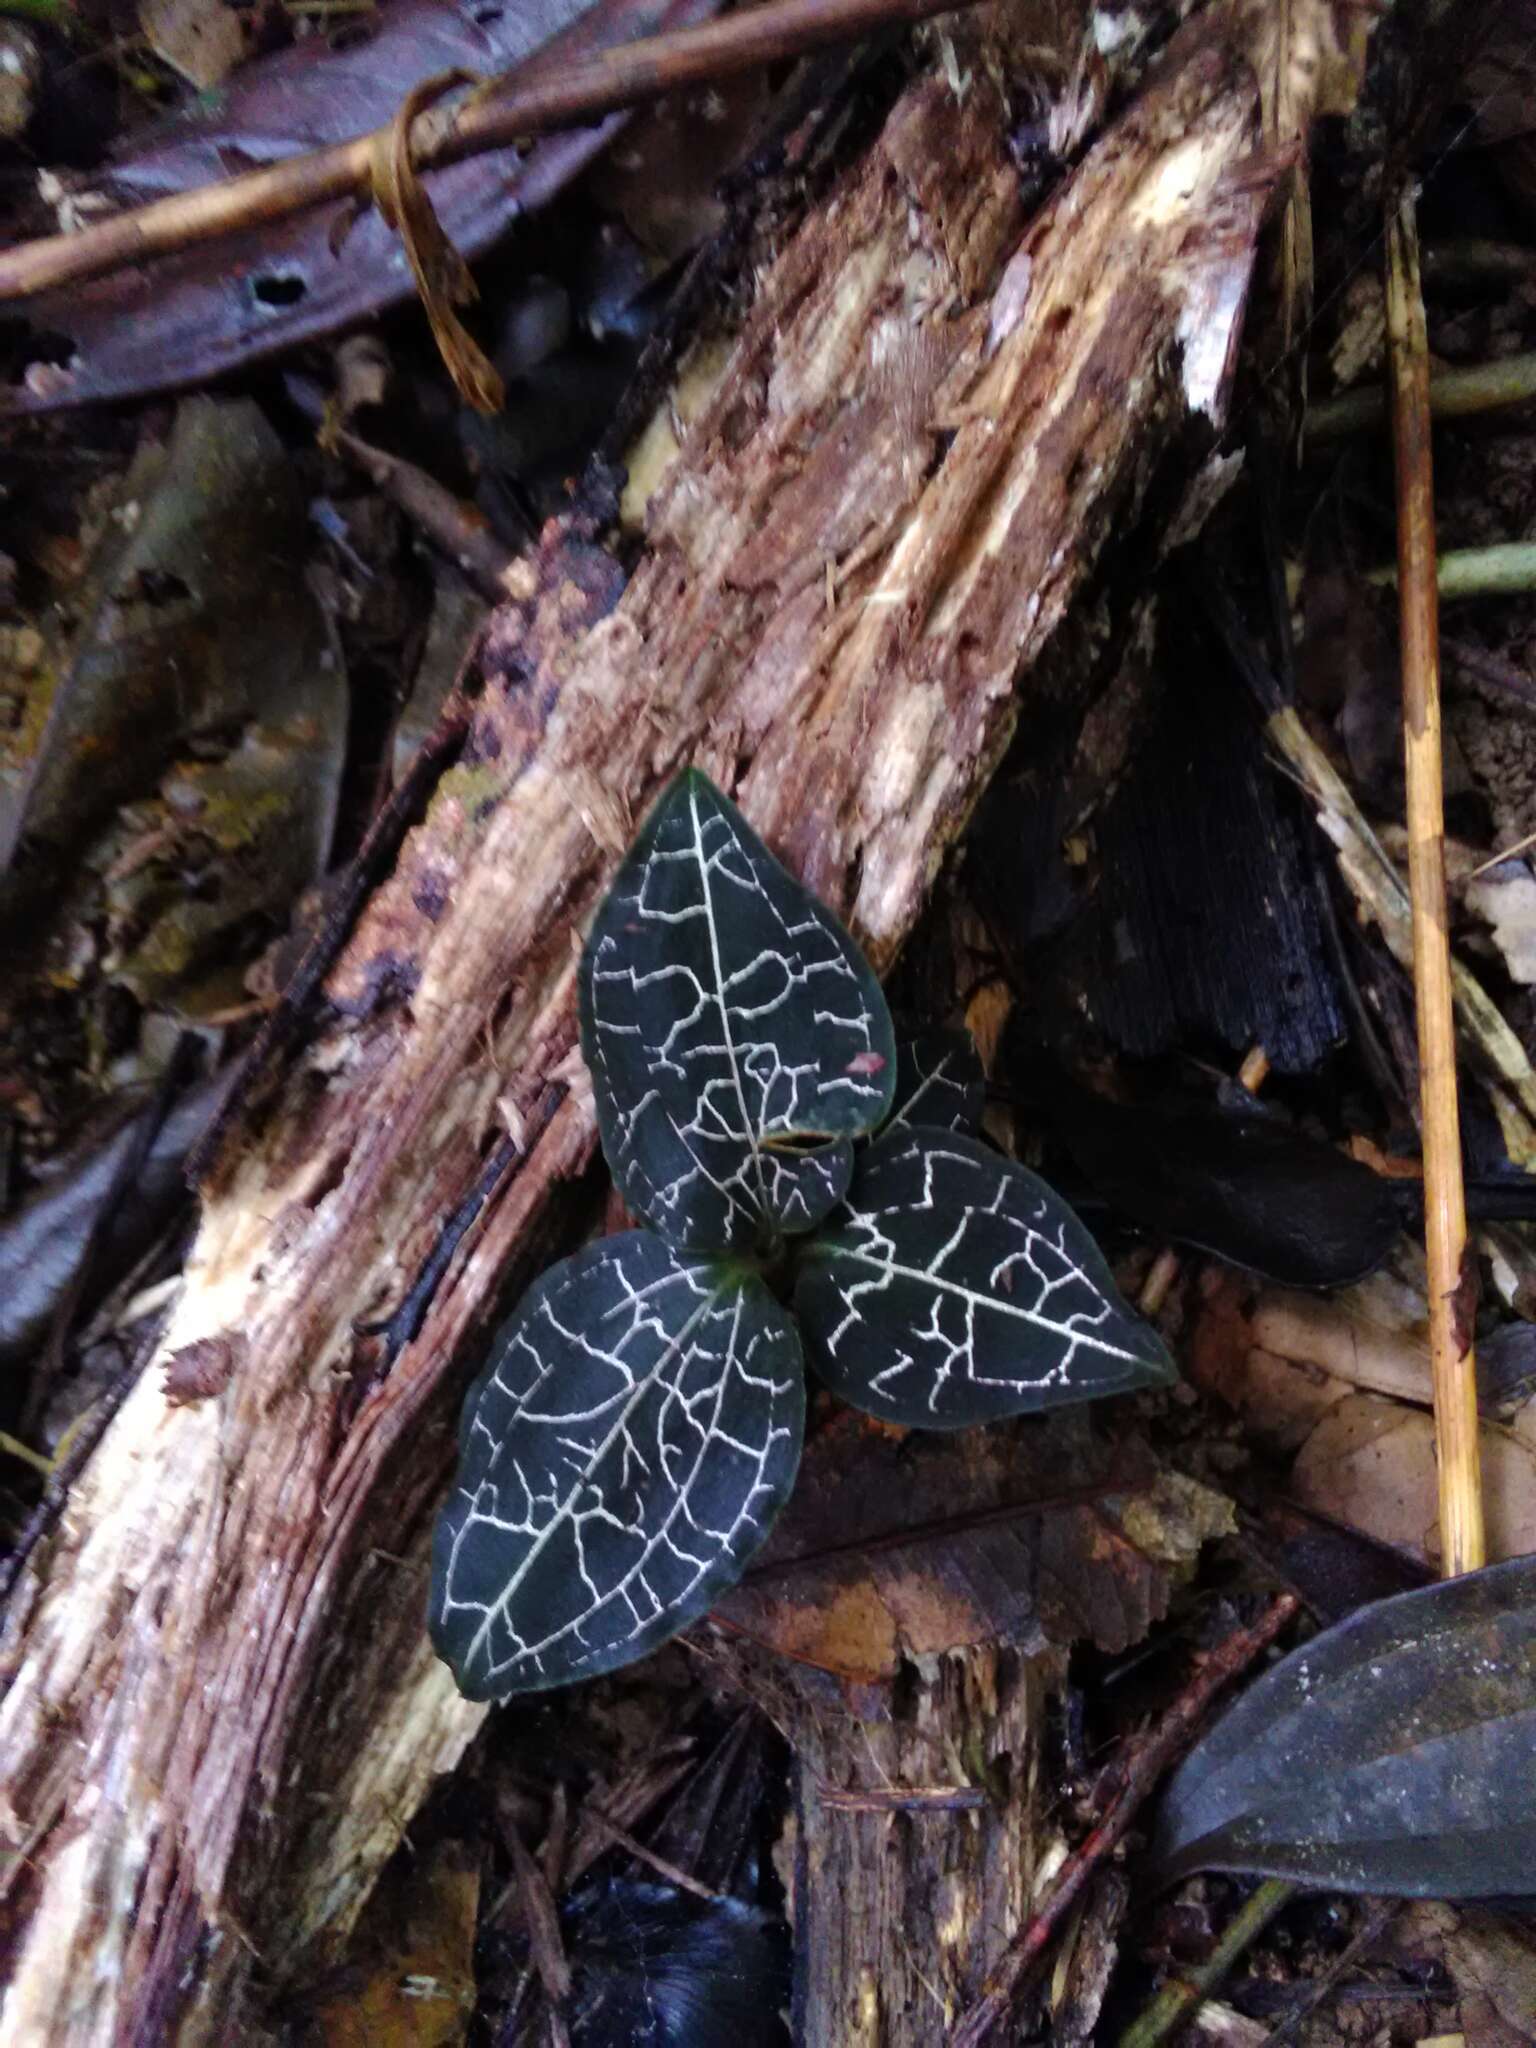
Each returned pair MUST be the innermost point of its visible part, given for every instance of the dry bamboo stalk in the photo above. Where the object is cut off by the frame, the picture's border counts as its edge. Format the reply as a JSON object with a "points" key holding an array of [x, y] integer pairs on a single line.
{"points": [[627, 76], [1445, 1216]]}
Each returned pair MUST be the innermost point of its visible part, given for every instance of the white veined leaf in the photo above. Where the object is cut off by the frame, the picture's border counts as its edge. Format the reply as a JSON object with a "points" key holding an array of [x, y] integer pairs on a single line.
{"points": [[624, 1452], [956, 1287], [737, 1038]]}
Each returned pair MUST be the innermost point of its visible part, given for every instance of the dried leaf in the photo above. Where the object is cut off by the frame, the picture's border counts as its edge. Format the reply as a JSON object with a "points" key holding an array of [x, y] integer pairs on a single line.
{"points": [[202, 39], [1391, 1754], [44, 1244], [442, 276], [408, 1979], [173, 641], [1372, 1462], [903, 1547]]}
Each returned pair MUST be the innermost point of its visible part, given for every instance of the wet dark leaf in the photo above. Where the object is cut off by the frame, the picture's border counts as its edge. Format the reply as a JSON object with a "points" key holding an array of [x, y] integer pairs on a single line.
{"points": [[956, 1287], [1242, 1185], [624, 1452], [176, 775], [1392, 1754], [204, 522], [196, 315], [737, 1039]]}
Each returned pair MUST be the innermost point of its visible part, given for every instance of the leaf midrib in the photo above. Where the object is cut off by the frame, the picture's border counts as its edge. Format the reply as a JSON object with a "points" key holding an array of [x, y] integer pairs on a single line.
{"points": [[924, 1278], [720, 1002]]}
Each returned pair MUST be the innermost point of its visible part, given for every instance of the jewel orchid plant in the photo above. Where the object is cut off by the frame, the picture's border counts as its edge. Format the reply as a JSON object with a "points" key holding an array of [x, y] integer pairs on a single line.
{"points": [[809, 1192]]}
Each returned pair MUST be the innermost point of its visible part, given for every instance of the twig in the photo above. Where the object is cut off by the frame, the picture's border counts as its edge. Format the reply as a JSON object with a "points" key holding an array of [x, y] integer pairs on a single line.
{"points": [[1473, 259], [903, 1799], [1453, 394], [1180, 1997], [87, 1434], [1378, 888], [1496, 670], [1136, 1776], [457, 530], [1445, 1217], [1497, 860], [627, 76], [663, 1869], [541, 1917]]}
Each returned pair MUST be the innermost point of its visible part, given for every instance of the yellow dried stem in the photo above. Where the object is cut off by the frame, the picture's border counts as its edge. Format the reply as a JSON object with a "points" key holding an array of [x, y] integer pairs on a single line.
{"points": [[1445, 1218]]}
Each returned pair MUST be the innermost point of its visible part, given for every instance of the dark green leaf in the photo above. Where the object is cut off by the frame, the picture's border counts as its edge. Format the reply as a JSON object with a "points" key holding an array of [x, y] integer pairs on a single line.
{"points": [[1391, 1754], [622, 1455], [957, 1288], [737, 1039], [939, 1083]]}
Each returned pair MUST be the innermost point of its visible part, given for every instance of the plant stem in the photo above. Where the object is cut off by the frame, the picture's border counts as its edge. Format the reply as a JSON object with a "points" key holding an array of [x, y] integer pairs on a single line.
{"points": [[1445, 1220], [1180, 1997], [1506, 569], [494, 118], [1453, 394]]}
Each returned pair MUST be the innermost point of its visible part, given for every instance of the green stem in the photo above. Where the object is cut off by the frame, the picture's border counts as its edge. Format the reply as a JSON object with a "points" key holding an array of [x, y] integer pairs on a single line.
{"points": [[1181, 1997], [1452, 395], [1507, 569]]}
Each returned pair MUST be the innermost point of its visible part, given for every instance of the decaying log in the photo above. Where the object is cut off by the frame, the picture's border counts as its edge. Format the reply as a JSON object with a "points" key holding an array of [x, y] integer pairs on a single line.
{"points": [[222, 1709], [918, 1838]]}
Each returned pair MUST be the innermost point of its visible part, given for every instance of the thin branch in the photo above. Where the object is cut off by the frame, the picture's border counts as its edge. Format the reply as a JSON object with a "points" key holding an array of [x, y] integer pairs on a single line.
{"points": [[1136, 1778], [496, 117], [1360, 1944], [663, 1869], [1445, 1217]]}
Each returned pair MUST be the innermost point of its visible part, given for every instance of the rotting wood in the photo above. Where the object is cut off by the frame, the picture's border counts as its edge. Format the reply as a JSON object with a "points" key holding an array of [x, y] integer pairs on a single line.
{"points": [[222, 1706], [901, 1892]]}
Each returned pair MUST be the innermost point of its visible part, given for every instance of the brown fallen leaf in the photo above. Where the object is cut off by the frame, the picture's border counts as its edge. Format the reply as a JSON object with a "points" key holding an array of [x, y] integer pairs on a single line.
{"points": [[1371, 1462], [443, 279], [202, 39], [909, 1546]]}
